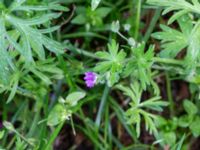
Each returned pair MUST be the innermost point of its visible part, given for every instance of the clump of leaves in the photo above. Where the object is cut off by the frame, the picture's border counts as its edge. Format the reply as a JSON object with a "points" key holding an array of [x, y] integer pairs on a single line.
{"points": [[137, 110], [139, 65], [23, 41], [112, 63]]}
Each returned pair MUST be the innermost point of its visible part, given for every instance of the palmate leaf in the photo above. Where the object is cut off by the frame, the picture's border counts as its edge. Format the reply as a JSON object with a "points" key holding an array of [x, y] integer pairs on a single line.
{"points": [[139, 66], [113, 58], [32, 38], [26, 38], [137, 110], [173, 41], [182, 6], [111, 62], [193, 51]]}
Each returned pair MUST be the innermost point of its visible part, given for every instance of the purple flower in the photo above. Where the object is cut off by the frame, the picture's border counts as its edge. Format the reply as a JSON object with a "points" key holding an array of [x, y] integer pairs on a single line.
{"points": [[90, 79]]}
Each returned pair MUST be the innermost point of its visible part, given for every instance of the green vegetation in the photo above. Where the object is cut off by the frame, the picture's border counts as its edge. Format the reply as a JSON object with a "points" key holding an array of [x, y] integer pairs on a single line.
{"points": [[99, 74]]}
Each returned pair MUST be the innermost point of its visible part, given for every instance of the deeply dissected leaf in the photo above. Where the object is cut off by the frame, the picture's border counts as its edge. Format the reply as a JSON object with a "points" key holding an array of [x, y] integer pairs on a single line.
{"points": [[136, 110], [139, 65], [172, 40], [112, 62], [182, 6], [193, 52]]}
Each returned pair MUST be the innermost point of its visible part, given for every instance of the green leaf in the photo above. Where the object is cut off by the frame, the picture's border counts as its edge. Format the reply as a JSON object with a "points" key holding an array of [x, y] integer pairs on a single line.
{"points": [[172, 40], [103, 11], [103, 66], [194, 127], [2, 134], [95, 4], [160, 122], [193, 52], [33, 21], [111, 64], [57, 115], [73, 98], [185, 120], [186, 25], [36, 45], [14, 88], [19, 144], [5, 60], [50, 6], [115, 26], [177, 5], [177, 15], [169, 137], [112, 78], [179, 145], [16, 3], [103, 55], [80, 19], [8, 126], [189, 107], [137, 108], [139, 65], [52, 45], [49, 30], [41, 75]]}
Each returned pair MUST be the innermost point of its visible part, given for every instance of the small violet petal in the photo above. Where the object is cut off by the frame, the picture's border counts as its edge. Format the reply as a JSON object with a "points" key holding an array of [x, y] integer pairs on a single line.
{"points": [[90, 79]]}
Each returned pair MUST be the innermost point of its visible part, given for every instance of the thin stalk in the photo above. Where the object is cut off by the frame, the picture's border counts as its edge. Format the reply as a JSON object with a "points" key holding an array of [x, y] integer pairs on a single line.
{"points": [[137, 19], [11, 143], [155, 59], [72, 125], [152, 24], [24, 138], [54, 135], [102, 105], [81, 51], [168, 61], [122, 36], [34, 125]]}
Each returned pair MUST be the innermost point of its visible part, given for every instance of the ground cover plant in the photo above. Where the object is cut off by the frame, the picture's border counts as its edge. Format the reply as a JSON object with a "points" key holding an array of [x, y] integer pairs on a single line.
{"points": [[99, 74]]}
